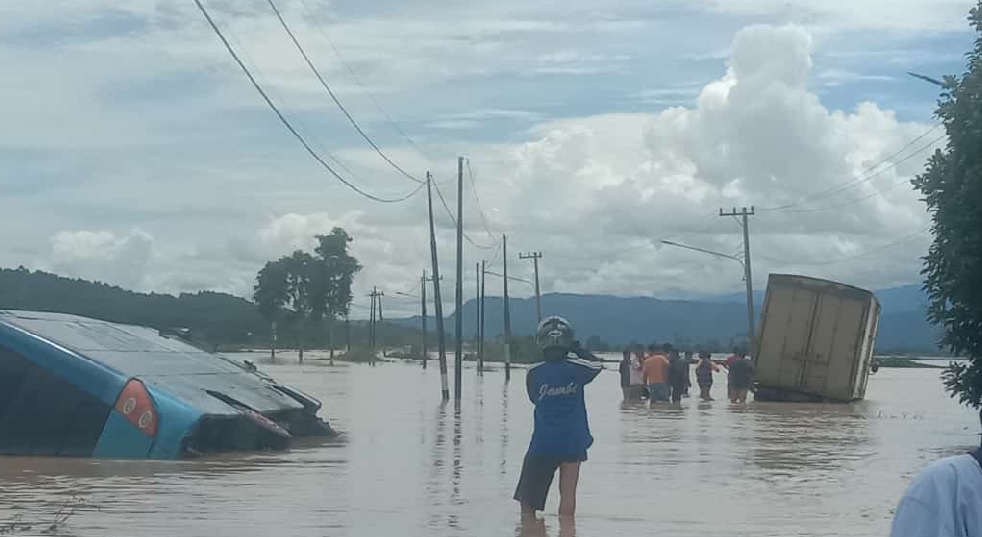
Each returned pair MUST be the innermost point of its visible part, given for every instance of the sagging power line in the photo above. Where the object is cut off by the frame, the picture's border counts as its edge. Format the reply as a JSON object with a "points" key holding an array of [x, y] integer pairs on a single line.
{"points": [[335, 98], [286, 123], [866, 175]]}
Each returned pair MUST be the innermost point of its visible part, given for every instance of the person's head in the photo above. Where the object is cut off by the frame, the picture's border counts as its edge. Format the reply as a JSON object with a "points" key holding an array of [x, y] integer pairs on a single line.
{"points": [[737, 351], [688, 354], [555, 338], [667, 348], [652, 348], [674, 355], [704, 355], [627, 353]]}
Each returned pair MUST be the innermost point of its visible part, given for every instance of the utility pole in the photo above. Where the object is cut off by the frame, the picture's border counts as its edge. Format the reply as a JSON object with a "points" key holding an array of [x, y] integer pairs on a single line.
{"points": [[747, 276], [347, 334], [480, 320], [437, 299], [535, 257], [477, 303], [504, 257], [375, 319], [459, 302], [422, 308], [371, 322]]}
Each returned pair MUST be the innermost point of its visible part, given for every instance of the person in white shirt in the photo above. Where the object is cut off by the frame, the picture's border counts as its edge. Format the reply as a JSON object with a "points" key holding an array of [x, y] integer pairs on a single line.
{"points": [[945, 500]]}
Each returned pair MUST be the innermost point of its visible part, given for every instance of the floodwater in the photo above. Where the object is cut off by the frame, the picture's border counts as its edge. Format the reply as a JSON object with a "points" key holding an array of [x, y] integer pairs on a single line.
{"points": [[411, 466]]}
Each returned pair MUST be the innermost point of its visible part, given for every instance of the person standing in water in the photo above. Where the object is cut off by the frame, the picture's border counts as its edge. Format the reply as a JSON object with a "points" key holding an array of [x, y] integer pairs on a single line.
{"points": [[625, 373], [677, 376], [740, 379], [704, 375], [688, 373], [561, 433], [656, 375], [637, 375]]}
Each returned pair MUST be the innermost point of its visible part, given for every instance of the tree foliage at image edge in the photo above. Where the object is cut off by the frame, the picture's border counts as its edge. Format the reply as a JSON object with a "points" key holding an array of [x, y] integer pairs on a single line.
{"points": [[952, 189]]}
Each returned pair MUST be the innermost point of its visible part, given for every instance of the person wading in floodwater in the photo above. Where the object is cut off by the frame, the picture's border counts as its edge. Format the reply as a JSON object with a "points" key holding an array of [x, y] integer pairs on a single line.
{"points": [[945, 500], [740, 379], [656, 375], [624, 369], [561, 434], [678, 379], [704, 375]]}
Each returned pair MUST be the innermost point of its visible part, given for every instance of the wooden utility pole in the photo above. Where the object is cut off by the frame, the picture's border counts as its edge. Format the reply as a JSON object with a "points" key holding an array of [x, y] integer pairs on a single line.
{"points": [[459, 302], [535, 257], [747, 276], [437, 299], [480, 320], [507, 315]]}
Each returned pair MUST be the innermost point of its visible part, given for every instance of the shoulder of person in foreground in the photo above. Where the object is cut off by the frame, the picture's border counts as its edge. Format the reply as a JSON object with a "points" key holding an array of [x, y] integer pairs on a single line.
{"points": [[934, 503]]}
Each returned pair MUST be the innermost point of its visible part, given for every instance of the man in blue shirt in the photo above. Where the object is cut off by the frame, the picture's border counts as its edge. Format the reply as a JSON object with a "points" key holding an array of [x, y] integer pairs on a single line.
{"points": [[944, 501], [562, 435]]}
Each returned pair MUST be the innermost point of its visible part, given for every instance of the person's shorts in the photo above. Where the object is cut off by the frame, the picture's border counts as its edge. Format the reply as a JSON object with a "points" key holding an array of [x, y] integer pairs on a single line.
{"points": [[538, 472], [658, 392]]}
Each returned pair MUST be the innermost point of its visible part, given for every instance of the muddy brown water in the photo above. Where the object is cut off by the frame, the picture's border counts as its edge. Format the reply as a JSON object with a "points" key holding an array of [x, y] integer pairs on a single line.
{"points": [[410, 466]]}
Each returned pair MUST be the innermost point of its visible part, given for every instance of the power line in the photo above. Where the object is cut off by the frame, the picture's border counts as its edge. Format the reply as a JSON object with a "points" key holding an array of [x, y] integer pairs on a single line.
{"points": [[357, 79], [872, 194], [335, 98], [861, 255], [453, 219], [269, 102], [822, 194], [480, 209]]}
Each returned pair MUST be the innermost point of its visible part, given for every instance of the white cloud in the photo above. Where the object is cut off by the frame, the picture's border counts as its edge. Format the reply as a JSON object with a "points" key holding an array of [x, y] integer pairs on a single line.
{"points": [[103, 256]]}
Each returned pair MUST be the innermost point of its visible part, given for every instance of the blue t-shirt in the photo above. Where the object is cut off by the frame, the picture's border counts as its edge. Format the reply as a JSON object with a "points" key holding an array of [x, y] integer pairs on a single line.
{"points": [[945, 500], [555, 387]]}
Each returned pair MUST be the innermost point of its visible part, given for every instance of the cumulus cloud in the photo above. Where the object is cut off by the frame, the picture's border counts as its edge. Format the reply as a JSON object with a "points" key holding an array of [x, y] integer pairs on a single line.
{"points": [[103, 256]]}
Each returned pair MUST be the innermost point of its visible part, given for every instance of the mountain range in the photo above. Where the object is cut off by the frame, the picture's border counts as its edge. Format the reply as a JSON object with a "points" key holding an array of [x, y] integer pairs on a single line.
{"points": [[719, 319]]}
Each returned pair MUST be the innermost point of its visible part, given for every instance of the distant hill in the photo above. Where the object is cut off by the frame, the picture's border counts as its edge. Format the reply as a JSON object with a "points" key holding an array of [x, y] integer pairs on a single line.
{"points": [[215, 318], [718, 320]]}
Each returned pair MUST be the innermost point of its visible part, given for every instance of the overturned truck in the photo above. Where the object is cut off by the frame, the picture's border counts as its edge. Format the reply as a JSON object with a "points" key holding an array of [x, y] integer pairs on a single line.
{"points": [[79, 387], [816, 340]]}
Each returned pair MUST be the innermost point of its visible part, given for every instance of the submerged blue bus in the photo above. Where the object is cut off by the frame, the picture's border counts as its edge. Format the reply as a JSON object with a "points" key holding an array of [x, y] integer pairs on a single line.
{"points": [[79, 387]]}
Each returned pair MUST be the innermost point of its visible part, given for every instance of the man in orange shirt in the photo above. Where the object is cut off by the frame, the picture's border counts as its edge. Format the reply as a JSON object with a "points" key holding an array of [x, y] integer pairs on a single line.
{"points": [[655, 373]]}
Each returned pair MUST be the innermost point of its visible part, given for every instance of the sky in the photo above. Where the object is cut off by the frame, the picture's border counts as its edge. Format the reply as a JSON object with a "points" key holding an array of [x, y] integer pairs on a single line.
{"points": [[137, 153]]}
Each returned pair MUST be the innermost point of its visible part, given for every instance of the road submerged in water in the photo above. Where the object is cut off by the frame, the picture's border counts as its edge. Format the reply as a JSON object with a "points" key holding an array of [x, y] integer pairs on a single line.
{"points": [[408, 465]]}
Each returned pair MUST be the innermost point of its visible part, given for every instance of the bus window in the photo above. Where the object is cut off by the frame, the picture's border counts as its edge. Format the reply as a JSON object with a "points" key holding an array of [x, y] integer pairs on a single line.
{"points": [[40, 414]]}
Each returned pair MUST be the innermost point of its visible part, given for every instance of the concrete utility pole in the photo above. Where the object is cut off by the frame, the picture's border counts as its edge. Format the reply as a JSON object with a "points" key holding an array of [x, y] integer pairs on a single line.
{"points": [[480, 319], [437, 299], [459, 302], [747, 276], [535, 257], [504, 257], [422, 309]]}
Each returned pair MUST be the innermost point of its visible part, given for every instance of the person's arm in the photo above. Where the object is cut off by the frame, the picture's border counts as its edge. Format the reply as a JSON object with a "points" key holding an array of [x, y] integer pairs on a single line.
{"points": [[584, 354], [528, 386]]}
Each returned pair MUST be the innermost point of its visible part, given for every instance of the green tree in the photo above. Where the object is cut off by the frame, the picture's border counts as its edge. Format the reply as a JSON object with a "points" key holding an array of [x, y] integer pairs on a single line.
{"points": [[270, 295], [300, 298], [952, 189], [334, 271]]}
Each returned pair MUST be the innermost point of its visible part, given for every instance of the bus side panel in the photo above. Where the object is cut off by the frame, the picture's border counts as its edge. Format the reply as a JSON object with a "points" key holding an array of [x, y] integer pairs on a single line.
{"points": [[122, 440]]}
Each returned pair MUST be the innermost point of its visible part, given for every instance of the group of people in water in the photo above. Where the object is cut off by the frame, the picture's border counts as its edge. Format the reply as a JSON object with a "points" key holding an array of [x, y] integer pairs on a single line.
{"points": [[662, 374]]}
